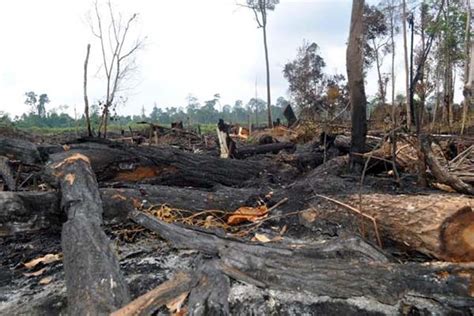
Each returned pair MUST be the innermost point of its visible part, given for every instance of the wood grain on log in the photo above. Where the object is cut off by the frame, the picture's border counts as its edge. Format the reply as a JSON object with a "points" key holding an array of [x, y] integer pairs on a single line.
{"points": [[440, 225]]}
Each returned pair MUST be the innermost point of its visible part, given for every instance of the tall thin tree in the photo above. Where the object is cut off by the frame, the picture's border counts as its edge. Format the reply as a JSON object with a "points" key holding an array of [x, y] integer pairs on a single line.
{"points": [[86, 99], [260, 9], [468, 64], [407, 75]]}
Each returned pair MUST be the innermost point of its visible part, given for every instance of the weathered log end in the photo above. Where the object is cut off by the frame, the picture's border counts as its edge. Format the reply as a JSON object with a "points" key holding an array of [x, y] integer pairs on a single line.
{"points": [[457, 236]]}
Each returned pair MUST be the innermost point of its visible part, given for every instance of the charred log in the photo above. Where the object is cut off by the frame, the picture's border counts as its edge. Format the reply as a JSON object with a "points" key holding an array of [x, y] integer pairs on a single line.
{"points": [[94, 282], [156, 165], [18, 149], [32, 211], [252, 150], [317, 271]]}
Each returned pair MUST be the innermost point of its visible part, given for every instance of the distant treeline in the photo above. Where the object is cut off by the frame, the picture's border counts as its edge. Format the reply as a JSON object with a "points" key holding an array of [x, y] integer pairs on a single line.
{"points": [[194, 113]]}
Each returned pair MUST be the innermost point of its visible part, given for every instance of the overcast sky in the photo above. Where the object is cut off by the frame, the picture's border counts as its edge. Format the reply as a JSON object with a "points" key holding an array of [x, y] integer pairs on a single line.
{"points": [[199, 47]]}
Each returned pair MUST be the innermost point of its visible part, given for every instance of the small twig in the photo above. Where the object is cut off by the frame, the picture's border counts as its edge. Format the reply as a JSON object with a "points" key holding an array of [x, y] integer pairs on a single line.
{"points": [[24, 181], [379, 241], [279, 203]]}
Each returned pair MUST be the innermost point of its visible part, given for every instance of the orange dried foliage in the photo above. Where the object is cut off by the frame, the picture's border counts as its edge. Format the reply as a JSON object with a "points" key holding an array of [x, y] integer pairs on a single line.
{"points": [[119, 197], [141, 173], [247, 214]]}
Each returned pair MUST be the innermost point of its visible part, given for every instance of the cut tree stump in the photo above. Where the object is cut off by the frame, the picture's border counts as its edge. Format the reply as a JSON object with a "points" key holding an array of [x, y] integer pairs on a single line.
{"points": [[94, 282]]}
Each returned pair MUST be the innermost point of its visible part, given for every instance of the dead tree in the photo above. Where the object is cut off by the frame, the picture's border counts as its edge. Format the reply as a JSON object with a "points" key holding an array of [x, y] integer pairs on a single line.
{"points": [[468, 67], [118, 53], [407, 75], [260, 9], [86, 99], [355, 75]]}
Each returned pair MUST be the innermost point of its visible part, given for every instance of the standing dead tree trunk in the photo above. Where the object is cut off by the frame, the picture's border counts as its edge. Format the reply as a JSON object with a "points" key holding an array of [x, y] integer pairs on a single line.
{"points": [[394, 120], [355, 75], [86, 99], [405, 49], [468, 65], [94, 282]]}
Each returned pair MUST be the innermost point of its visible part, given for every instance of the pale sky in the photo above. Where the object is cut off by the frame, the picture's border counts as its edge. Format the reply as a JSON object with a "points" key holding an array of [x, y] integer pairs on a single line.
{"points": [[200, 47]]}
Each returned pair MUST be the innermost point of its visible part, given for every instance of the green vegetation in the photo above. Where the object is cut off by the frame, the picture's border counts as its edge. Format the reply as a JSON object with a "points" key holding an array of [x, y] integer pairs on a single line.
{"points": [[41, 120]]}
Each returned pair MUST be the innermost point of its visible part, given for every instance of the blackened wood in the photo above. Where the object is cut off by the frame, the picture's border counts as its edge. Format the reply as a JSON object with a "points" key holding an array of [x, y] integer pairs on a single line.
{"points": [[29, 211], [164, 165], [322, 269], [150, 302], [19, 149], [251, 150], [289, 114], [94, 282], [440, 173], [355, 79], [7, 174], [210, 295], [118, 203]]}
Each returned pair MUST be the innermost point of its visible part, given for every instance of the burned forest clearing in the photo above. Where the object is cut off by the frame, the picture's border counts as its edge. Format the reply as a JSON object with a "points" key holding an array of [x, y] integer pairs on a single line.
{"points": [[353, 194]]}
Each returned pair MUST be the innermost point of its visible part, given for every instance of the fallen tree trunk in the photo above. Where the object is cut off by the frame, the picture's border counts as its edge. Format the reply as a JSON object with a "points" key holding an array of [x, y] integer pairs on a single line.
{"points": [[118, 203], [440, 225], [94, 282], [343, 143], [31, 211], [22, 150], [252, 150], [440, 173], [157, 165], [325, 270]]}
